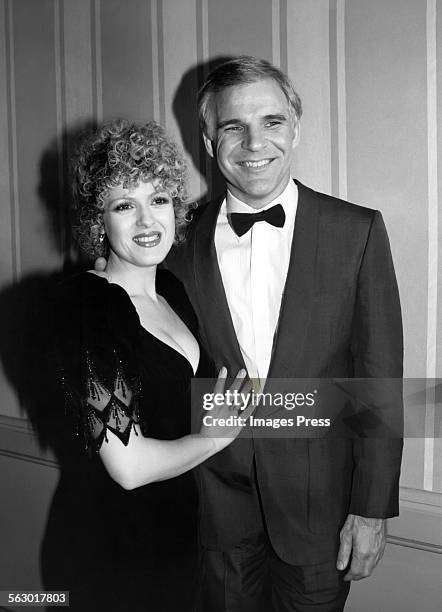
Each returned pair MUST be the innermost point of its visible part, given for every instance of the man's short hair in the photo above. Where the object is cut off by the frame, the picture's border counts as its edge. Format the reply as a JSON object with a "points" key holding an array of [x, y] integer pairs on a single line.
{"points": [[240, 71]]}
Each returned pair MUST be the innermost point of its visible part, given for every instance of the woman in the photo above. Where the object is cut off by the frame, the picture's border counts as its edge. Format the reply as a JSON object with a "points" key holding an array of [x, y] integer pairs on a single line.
{"points": [[126, 350]]}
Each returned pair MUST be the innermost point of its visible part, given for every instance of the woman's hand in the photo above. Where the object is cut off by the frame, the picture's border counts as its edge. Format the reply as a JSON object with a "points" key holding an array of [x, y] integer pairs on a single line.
{"points": [[224, 421]]}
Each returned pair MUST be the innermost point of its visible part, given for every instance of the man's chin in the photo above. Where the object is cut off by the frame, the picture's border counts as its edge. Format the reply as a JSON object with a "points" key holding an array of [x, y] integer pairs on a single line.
{"points": [[257, 193]]}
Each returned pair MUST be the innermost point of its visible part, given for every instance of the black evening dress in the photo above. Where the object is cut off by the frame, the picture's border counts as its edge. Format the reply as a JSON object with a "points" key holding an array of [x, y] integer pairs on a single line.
{"points": [[115, 549]]}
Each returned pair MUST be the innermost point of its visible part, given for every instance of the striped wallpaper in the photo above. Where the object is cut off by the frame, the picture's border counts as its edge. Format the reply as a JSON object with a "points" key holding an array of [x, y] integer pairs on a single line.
{"points": [[369, 74]]}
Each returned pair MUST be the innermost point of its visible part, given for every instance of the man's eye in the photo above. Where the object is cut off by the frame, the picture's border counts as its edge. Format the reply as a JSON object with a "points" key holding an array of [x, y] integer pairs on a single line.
{"points": [[232, 128], [273, 123]]}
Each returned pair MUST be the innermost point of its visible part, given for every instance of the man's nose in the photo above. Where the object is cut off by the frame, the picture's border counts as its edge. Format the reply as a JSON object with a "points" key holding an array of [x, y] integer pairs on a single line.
{"points": [[253, 139], [145, 216]]}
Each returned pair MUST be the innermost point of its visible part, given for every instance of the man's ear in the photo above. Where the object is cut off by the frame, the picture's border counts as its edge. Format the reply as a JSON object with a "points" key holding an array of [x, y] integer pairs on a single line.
{"points": [[209, 145], [296, 133]]}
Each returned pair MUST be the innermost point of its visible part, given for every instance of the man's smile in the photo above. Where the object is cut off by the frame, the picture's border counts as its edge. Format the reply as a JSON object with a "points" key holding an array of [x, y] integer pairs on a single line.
{"points": [[262, 163]]}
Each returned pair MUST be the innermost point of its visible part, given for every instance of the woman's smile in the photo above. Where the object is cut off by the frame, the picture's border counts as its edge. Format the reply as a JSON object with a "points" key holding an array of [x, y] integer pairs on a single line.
{"points": [[148, 239]]}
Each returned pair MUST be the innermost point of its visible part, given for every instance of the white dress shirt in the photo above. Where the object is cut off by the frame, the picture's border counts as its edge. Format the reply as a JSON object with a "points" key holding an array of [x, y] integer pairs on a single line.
{"points": [[254, 270]]}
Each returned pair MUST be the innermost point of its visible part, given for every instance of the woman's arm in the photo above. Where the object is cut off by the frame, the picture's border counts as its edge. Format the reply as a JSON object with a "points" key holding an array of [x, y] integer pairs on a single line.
{"points": [[146, 460]]}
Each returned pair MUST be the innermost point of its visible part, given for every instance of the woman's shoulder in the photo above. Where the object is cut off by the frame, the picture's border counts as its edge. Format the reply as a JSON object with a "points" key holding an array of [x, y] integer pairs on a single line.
{"points": [[88, 288], [82, 284], [90, 301]]}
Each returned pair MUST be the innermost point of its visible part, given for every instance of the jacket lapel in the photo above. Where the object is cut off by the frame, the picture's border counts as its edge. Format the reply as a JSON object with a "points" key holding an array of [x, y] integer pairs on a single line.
{"points": [[296, 303], [214, 309]]}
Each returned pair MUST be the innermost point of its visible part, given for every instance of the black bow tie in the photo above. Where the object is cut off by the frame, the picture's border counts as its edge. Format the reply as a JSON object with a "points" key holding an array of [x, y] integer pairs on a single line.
{"points": [[242, 222]]}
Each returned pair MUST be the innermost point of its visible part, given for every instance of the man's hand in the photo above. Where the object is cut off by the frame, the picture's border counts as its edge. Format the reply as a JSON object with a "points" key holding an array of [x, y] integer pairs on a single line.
{"points": [[100, 265], [364, 540]]}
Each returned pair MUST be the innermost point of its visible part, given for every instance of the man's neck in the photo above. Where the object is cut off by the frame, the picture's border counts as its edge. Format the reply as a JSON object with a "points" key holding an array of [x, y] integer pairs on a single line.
{"points": [[236, 202]]}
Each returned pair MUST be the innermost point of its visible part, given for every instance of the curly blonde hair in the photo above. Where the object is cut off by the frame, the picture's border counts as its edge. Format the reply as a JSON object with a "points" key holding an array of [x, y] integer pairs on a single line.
{"points": [[125, 152]]}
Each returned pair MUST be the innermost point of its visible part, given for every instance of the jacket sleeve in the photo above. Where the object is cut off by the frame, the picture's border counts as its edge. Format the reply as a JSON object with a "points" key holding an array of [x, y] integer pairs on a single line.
{"points": [[377, 349]]}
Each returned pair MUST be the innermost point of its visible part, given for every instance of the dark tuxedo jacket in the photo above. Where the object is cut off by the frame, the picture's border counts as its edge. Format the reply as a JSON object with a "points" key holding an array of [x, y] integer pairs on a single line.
{"points": [[339, 317]]}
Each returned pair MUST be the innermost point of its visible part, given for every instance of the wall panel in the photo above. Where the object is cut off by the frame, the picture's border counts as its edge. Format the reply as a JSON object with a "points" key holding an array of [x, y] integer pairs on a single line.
{"points": [[6, 251], [387, 157], [77, 60], [22, 530], [407, 580], [8, 400], [9, 404], [387, 143], [309, 68], [126, 55], [34, 63], [180, 42], [240, 27], [438, 442]]}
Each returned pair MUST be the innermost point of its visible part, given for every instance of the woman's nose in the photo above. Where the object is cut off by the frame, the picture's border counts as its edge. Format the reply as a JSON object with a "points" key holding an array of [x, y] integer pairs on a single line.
{"points": [[145, 217]]}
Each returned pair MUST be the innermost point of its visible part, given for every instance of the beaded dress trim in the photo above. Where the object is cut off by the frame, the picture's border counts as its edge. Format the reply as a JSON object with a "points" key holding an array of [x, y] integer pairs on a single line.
{"points": [[100, 408]]}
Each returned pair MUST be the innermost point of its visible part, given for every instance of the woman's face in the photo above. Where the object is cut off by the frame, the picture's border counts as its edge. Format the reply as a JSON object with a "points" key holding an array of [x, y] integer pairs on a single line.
{"points": [[139, 223]]}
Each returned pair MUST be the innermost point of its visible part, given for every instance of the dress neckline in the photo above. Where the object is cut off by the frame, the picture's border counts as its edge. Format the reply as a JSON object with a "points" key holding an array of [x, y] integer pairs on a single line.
{"points": [[169, 346]]}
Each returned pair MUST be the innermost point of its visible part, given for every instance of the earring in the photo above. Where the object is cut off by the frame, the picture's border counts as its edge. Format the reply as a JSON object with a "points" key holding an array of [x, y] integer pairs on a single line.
{"points": [[102, 235]]}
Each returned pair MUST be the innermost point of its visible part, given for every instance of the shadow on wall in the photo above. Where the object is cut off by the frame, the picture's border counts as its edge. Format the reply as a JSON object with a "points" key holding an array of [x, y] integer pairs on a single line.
{"points": [[25, 328], [55, 189], [22, 304], [185, 110]]}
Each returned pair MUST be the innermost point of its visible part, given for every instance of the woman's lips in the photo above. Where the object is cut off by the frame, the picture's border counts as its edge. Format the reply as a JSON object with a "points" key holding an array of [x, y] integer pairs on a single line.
{"points": [[147, 240]]}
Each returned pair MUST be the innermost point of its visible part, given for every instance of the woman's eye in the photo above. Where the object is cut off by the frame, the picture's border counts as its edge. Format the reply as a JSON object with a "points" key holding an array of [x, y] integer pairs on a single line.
{"points": [[160, 200], [123, 206], [232, 128]]}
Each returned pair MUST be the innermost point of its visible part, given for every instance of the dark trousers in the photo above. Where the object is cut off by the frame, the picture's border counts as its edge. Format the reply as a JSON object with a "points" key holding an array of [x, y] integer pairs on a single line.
{"points": [[251, 578]]}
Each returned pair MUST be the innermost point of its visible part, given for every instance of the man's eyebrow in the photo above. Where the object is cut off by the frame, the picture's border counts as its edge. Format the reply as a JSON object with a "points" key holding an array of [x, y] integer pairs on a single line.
{"points": [[278, 117]]}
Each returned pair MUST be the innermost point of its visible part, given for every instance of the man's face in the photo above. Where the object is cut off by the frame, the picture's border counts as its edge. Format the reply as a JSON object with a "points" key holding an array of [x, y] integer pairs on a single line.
{"points": [[254, 135]]}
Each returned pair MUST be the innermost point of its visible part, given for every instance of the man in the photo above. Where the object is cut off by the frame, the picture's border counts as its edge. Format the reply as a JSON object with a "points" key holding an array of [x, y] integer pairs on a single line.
{"points": [[306, 290]]}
